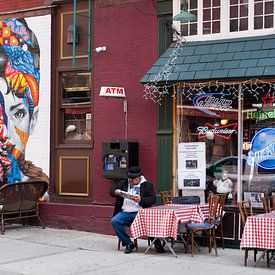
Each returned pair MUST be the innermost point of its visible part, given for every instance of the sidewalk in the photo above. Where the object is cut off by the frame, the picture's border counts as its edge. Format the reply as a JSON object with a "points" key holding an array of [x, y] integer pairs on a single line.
{"points": [[32, 250]]}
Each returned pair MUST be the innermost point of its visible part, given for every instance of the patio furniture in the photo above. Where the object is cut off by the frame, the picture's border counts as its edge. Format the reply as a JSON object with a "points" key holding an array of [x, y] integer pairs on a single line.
{"points": [[258, 234], [245, 208], [162, 221], [268, 203], [135, 242], [208, 226], [220, 214], [20, 201], [166, 197]]}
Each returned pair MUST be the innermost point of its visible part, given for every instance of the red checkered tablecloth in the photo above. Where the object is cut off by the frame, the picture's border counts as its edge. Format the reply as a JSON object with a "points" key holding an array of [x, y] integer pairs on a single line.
{"points": [[162, 221], [259, 232]]}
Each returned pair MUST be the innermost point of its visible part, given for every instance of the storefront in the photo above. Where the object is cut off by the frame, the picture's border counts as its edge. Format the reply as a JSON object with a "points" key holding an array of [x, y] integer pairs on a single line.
{"points": [[222, 98]]}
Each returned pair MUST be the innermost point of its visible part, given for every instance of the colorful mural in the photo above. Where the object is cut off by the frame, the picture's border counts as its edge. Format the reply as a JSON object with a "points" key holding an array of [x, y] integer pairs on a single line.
{"points": [[19, 97]]}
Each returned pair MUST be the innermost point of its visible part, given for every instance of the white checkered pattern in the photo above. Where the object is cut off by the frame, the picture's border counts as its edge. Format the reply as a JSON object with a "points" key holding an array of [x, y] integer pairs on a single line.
{"points": [[162, 221], [259, 232]]}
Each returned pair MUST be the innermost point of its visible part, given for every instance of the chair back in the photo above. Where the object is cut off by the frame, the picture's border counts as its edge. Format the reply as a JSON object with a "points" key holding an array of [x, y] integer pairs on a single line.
{"points": [[245, 208], [166, 197], [186, 200], [21, 196], [221, 204], [213, 202], [268, 203]]}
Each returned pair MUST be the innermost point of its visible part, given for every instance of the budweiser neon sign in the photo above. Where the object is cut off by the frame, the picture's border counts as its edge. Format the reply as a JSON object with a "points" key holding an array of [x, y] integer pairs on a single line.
{"points": [[213, 101], [222, 131]]}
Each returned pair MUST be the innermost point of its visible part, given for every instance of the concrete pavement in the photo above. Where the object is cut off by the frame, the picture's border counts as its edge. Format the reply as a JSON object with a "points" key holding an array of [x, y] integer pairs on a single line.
{"points": [[32, 250]]}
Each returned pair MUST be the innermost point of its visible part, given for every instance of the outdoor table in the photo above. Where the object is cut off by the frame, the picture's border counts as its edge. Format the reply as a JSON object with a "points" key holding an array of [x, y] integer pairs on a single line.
{"points": [[259, 232], [162, 221]]}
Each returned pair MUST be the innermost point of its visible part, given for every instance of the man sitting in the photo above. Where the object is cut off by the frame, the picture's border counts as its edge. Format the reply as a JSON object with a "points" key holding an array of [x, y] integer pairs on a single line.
{"points": [[141, 194]]}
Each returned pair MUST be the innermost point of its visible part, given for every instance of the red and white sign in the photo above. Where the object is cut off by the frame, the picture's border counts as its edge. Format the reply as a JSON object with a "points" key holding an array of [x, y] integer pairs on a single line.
{"points": [[112, 91]]}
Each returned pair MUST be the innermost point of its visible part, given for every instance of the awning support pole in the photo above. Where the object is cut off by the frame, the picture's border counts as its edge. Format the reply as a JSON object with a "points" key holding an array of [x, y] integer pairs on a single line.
{"points": [[240, 143]]}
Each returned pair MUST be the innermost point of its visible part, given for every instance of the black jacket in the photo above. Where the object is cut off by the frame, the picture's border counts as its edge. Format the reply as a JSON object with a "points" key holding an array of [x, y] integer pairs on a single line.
{"points": [[147, 194]]}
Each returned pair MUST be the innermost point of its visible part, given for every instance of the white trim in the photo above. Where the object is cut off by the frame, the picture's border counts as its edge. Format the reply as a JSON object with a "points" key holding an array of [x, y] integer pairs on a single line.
{"points": [[225, 33]]}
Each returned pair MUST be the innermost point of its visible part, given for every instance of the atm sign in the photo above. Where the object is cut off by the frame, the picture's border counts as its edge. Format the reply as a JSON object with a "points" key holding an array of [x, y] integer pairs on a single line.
{"points": [[112, 91]]}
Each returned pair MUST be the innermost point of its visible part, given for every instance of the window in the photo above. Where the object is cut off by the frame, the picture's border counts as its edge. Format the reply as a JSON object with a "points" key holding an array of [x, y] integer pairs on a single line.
{"points": [[76, 106], [224, 19]]}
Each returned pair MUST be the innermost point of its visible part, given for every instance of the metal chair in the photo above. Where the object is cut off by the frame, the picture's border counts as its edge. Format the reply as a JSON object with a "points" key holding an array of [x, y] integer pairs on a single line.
{"points": [[166, 197]]}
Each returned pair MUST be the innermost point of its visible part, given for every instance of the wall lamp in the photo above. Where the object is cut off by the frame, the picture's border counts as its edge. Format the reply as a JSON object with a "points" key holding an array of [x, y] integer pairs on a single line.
{"points": [[70, 35]]}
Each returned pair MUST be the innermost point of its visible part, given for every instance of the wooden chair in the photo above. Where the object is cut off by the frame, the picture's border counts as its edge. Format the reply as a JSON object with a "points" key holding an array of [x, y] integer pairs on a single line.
{"points": [[135, 242], [208, 226], [245, 209], [220, 213], [268, 203], [166, 197]]}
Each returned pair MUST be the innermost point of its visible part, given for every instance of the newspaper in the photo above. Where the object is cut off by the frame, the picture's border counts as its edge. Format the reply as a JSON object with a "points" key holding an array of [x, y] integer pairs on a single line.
{"points": [[127, 195]]}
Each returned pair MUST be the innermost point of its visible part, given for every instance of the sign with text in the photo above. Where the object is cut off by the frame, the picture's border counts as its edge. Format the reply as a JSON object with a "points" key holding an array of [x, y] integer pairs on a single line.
{"points": [[191, 165], [112, 91]]}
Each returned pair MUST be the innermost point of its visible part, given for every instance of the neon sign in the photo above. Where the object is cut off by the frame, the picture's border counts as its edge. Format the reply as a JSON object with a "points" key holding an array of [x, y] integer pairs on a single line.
{"points": [[222, 131], [263, 149], [212, 101]]}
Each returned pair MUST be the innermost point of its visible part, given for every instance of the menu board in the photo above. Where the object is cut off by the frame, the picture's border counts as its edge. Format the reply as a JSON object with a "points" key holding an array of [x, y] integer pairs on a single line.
{"points": [[191, 165]]}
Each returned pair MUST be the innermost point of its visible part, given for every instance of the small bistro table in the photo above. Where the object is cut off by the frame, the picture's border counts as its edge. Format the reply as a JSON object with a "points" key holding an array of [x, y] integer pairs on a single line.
{"points": [[259, 232], [162, 221]]}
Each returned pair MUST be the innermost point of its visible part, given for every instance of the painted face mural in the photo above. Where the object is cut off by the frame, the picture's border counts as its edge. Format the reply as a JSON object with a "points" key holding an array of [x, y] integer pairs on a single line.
{"points": [[19, 96]]}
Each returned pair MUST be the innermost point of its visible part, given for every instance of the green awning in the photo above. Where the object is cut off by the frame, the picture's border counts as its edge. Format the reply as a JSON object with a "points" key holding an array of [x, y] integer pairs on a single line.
{"points": [[239, 58]]}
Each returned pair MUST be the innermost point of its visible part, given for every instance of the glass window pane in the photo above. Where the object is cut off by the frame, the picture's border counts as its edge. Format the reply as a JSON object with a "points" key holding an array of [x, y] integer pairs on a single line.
{"points": [[259, 9], [244, 11], [193, 29], [206, 14], [258, 22], [207, 28], [216, 3], [234, 12], [216, 27], [268, 22], [216, 14], [184, 30], [243, 1], [233, 2], [244, 24], [206, 3], [77, 124], [193, 4], [233, 25], [269, 6]]}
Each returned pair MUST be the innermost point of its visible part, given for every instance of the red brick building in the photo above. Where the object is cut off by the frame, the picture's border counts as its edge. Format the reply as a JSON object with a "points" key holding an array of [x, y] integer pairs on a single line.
{"points": [[71, 77]]}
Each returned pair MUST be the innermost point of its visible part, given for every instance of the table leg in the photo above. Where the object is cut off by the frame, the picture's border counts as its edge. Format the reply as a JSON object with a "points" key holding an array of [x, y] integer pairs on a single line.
{"points": [[166, 243], [150, 246], [261, 256]]}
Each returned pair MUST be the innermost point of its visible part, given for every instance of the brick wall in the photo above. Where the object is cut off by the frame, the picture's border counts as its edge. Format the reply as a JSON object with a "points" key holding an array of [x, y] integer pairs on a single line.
{"points": [[130, 35]]}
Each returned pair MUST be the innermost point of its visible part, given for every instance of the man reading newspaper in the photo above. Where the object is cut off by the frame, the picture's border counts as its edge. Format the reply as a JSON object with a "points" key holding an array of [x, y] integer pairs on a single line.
{"points": [[131, 195]]}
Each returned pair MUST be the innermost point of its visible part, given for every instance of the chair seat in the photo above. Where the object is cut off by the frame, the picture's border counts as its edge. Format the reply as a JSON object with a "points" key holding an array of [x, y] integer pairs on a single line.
{"points": [[200, 225]]}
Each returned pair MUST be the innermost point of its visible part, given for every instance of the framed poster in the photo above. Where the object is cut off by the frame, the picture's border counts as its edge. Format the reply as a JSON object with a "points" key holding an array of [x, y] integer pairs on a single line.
{"points": [[191, 165], [255, 197]]}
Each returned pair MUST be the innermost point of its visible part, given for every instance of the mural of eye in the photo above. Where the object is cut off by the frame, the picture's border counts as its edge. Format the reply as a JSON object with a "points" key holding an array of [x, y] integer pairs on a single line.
{"points": [[20, 114]]}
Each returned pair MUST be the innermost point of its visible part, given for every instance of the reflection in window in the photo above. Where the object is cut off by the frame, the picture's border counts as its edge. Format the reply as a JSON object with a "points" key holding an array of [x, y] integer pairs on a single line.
{"points": [[76, 106], [77, 124]]}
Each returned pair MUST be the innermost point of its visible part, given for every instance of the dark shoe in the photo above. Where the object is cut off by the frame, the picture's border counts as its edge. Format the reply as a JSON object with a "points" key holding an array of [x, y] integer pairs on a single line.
{"points": [[159, 249], [129, 248]]}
